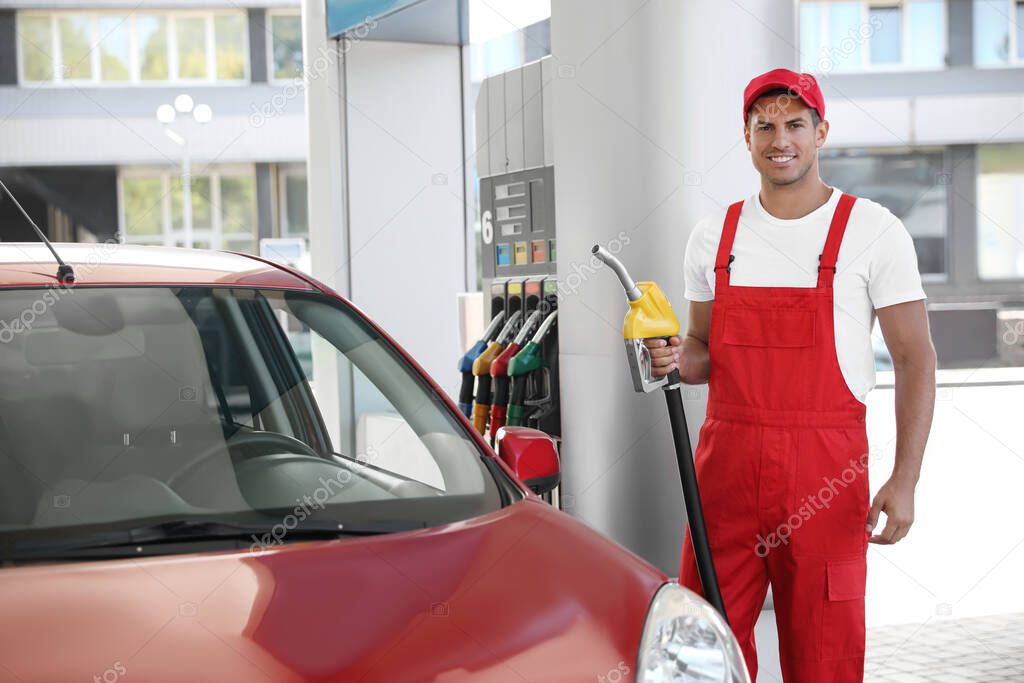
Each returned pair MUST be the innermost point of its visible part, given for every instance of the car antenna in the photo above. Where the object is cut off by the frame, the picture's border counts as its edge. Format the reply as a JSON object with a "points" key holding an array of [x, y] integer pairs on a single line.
{"points": [[65, 273]]}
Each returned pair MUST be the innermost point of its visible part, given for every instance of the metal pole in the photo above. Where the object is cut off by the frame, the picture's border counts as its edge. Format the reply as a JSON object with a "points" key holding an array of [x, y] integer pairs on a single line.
{"points": [[186, 192]]}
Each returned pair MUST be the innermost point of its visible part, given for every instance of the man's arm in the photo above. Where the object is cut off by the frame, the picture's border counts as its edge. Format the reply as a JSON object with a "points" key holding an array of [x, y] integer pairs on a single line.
{"points": [[905, 329], [689, 354]]}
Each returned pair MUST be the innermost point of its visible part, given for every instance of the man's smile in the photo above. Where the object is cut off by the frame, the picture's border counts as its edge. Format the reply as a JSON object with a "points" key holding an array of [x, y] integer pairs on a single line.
{"points": [[781, 160]]}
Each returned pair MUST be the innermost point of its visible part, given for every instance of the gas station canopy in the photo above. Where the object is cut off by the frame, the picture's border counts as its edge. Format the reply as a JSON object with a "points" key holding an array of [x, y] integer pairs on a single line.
{"points": [[444, 22]]}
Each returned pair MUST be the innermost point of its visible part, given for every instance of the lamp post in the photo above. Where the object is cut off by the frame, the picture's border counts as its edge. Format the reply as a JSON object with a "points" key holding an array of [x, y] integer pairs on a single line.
{"points": [[166, 114]]}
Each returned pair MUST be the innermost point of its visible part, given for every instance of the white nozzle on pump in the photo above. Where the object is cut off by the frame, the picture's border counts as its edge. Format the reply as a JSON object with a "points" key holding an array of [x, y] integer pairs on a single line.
{"points": [[495, 325], [544, 327], [509, 328]]}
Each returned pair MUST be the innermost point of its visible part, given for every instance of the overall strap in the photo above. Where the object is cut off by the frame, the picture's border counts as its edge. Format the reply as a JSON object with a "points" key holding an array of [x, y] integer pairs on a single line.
{"points": [[725, 257], [827, 259]]}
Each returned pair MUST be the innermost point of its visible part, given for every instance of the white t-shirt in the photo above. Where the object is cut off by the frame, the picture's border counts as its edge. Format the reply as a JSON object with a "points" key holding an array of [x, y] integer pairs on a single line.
{"points": [[876, 267]]}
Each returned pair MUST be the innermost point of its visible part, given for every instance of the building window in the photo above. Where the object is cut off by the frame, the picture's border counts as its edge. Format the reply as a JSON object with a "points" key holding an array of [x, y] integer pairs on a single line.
{"points": [[998, 32], [230, 39], [1000, 205], [154, 64], [135, 47], [190, 37], [285, 45], [35, 43], [115, 47], [223, 208], [74, 31], [864, 35], [292, 201], [907, 183], [886, 42]]}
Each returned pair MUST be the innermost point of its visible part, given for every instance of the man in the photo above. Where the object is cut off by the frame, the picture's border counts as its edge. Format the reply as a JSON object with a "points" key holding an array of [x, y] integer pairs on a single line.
{"points": [[783, 288]]}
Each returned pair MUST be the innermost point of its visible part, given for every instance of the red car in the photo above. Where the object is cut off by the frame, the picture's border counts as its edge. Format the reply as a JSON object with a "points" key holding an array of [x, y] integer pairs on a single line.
{"points": [[176, 504]]}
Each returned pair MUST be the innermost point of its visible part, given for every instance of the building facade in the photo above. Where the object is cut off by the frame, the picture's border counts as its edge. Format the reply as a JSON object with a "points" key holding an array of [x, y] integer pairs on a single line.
{"points": [[82, 147], [924, 100]]}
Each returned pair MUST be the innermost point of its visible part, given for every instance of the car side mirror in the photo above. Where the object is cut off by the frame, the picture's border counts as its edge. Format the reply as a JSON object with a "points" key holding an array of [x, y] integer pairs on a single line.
{"points": [[531, 455]]}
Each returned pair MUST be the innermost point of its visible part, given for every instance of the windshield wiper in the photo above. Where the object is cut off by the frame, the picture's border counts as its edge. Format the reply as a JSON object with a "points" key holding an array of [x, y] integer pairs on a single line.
{"points": [[139, 540]]}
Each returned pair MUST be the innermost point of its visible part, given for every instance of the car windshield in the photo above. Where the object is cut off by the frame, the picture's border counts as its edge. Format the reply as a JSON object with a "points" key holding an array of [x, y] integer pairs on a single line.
{"points": [[128, 408]]}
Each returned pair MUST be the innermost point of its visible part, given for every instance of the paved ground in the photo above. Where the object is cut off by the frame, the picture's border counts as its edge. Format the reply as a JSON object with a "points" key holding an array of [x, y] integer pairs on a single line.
{"points": [[941, 650], [946, 603], [979, 650]]}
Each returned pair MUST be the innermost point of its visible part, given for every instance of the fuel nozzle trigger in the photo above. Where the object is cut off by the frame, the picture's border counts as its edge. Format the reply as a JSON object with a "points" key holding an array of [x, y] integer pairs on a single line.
{"points": [[639, 358]]}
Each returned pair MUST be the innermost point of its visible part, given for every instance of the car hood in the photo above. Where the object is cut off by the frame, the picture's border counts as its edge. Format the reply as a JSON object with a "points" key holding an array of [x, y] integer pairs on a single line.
{"points": [[525, 593]]}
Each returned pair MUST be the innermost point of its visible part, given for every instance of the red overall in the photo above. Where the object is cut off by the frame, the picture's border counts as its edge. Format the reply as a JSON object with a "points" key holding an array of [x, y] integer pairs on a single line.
{"points": [[781, 465]]}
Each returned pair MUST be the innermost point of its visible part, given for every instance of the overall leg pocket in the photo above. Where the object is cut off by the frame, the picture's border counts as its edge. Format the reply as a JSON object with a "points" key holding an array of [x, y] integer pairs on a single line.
{"points": [[842, 619]]}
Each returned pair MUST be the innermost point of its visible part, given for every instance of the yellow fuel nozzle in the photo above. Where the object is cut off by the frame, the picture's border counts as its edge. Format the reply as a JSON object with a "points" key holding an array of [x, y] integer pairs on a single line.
{"points": [[650, 317]]}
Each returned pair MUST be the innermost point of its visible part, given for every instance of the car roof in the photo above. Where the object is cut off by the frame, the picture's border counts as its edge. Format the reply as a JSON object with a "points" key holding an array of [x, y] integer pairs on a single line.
{"points": [[28, 264]]}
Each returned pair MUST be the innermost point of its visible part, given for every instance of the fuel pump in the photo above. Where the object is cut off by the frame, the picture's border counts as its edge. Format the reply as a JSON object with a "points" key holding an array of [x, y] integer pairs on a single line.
{"points": [[482, 371], [499, 374], [518, 254], [466, 363], [650, 317], [525, 366]]}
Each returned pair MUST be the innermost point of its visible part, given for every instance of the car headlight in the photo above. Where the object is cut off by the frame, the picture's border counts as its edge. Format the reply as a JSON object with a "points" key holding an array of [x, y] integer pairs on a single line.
{"points": [[686, 641]]}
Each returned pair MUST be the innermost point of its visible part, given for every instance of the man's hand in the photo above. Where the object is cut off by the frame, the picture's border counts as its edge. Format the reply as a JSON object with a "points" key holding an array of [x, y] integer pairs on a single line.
{"points": [[664, 356], [896, 500], [905, 328]]}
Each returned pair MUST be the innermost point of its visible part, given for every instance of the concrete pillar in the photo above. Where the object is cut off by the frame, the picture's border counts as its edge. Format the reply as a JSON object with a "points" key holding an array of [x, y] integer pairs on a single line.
{"points": [[8, 48], [648, 139], [258, 44], [386, 212], [327, 185], [265, 200]]}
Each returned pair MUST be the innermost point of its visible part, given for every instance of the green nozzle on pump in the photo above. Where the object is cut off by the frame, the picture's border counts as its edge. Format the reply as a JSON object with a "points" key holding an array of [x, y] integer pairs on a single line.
{"points": [[523, 364]]}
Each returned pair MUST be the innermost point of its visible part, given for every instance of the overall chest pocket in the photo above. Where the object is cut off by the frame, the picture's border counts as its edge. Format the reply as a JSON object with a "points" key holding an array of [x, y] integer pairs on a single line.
{"points": [[769, 327]]}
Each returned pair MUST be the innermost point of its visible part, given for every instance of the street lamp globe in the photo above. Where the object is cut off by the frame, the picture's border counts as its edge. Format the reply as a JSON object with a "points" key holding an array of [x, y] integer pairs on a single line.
{"points": [[202, 113], [183, 103], [165, 113]]}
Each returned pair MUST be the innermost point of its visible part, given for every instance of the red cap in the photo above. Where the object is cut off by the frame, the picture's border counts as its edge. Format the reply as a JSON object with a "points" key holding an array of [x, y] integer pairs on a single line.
{"points": [[803, 86]]}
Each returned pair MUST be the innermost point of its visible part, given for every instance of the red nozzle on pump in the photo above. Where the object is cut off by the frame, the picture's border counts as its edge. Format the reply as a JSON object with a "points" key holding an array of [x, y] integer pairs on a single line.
{"points": [[482, 371], [500, 378]]}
